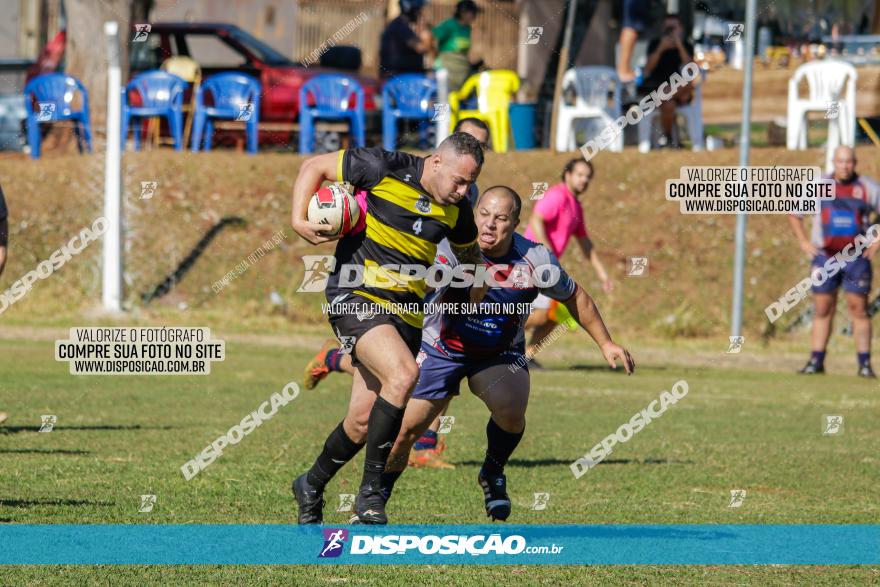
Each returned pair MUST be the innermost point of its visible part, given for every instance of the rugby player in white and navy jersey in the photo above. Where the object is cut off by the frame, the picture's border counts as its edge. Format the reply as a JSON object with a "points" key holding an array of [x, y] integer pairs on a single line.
{"points": [[836, 225], [488, 348]]}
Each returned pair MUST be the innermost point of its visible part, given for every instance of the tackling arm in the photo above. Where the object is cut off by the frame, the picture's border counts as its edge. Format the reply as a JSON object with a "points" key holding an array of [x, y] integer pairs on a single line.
{"points": [[583, 309], [470, 254]]}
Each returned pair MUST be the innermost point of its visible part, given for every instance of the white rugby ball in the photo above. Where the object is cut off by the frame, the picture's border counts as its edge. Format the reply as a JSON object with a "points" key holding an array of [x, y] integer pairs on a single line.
{"points": [[334, 206]]}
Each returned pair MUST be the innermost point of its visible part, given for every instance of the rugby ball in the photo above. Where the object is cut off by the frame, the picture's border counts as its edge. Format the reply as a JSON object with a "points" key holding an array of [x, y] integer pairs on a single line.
{"points": [[334, 206]]}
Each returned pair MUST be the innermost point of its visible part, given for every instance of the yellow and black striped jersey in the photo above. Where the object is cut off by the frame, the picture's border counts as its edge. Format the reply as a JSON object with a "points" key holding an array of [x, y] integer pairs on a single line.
{"points": [[404, 225]]}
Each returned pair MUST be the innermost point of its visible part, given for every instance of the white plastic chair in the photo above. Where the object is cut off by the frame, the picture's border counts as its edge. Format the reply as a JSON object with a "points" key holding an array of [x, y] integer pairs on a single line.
{"points": [[826, 81], [692, 113], [592, 85]]}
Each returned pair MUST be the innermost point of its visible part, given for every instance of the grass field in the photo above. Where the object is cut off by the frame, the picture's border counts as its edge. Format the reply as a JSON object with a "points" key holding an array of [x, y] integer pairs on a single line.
{"points": [[739, 428]]}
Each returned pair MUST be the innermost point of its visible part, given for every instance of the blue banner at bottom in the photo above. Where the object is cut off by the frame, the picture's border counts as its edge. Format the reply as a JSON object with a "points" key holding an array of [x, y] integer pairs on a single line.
{"points": [[441, 544]]}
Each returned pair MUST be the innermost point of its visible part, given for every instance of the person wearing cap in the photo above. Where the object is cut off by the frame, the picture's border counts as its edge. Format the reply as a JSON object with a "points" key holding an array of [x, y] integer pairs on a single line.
{"points": [[453, 38], [403, 45]]}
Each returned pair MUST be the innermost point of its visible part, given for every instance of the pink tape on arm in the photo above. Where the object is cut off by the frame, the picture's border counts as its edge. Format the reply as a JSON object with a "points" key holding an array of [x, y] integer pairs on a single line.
{"points": [[361, 197]]}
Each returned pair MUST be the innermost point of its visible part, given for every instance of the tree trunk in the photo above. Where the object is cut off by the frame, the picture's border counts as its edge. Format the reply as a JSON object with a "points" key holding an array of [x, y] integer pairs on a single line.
{"points": [[86, 51]]}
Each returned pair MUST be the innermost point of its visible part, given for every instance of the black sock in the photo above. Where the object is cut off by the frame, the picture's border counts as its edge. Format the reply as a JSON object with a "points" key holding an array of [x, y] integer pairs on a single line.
{"points": [[501, 445], [387, 481], [338, 447], [382, 429]]}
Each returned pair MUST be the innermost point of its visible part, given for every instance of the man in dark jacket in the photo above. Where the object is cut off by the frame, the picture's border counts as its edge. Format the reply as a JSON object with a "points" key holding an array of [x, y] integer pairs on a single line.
{"points": [[402, 48]]}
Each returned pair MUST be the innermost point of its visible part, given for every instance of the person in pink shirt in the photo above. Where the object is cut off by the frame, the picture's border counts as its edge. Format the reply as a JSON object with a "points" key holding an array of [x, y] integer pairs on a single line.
{"points": [[556, 218]]}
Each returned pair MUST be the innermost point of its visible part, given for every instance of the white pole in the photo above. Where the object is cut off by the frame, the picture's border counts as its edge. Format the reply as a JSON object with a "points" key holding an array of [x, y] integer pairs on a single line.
{"points": [[739, 258], [112, 289], [442, 98], [737, 59]]}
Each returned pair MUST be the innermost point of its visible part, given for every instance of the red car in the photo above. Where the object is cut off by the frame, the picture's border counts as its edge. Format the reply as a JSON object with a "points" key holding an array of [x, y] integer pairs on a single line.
{"points": [[225, 47]]}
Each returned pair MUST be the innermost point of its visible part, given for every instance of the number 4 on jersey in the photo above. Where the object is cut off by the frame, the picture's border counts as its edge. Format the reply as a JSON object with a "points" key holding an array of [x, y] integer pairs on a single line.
{"points": [[417, 226]]}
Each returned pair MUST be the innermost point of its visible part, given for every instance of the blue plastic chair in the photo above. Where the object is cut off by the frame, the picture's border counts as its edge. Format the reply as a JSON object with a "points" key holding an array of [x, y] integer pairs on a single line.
{"points": [[236, 97], [333, 97], [161, 94], [408, 96], [54, 94]]}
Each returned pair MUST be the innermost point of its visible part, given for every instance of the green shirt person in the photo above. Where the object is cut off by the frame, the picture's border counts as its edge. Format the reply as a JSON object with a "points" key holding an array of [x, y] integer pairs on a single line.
{"points": [[453, 38]]}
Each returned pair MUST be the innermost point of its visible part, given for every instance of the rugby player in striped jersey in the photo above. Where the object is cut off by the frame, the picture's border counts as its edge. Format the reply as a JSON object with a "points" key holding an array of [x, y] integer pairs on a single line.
{"points": [[413, 203], [427, 451]]}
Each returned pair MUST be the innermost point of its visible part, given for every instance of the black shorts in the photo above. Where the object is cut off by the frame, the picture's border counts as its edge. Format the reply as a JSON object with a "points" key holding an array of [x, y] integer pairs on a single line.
{"points": [[350, 326]]}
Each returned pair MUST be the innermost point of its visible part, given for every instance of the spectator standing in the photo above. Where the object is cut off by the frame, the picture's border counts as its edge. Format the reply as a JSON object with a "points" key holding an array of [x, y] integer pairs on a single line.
{"points": [[403, 46], [835, 227], [453, 37]]}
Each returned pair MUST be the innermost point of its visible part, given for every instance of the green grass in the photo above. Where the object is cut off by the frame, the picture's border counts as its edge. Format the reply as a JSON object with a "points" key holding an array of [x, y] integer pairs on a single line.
{"points": [[120, 437], [746, 424]]}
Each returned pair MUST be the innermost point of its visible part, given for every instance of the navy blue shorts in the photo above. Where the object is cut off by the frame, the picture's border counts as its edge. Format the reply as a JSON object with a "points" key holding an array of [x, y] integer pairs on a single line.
{"points": [[855, 276], [440, 375], [635, 14]]}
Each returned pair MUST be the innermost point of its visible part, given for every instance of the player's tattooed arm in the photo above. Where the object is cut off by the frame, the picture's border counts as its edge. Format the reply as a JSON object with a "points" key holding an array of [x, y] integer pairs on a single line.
{"points": [[313, 172], [583, 309], [471, 255]]}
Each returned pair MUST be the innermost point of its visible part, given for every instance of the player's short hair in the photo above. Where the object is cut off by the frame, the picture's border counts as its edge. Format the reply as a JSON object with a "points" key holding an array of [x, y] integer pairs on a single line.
{"points": [[569, 167], [511, 193], [845, 148], [463, 144], [471, 121]]}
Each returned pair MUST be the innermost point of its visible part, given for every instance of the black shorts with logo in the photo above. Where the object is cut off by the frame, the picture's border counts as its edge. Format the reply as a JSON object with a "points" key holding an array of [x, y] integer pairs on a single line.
{"points": [[350, 326]]}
